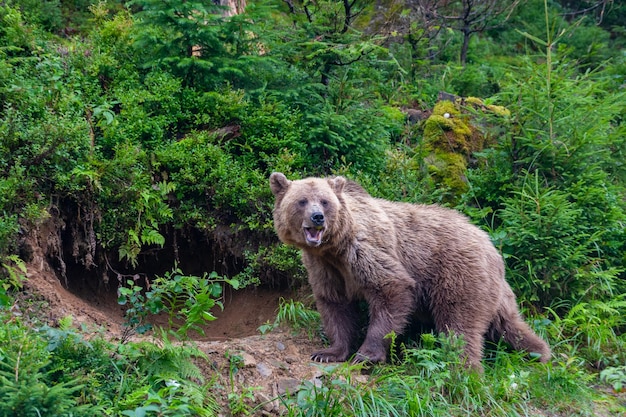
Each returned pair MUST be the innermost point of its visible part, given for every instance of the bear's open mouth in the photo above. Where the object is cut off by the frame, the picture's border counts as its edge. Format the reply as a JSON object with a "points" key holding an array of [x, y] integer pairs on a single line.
{"points": [[313, 235]]}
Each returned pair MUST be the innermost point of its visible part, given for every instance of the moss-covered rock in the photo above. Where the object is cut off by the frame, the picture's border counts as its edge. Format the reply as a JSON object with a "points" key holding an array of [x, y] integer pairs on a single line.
{"points": [[450, 130], [448, 169], [478, 103], [451, 135]]}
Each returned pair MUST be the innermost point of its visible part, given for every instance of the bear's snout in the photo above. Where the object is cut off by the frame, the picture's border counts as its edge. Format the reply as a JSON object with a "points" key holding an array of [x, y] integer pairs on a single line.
{"points": [[317, 218], [313, 232]]}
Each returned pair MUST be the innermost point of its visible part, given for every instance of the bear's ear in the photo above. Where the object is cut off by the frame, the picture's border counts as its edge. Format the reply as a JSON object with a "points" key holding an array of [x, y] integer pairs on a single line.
{"points": [[337, 184], [279, 183]]}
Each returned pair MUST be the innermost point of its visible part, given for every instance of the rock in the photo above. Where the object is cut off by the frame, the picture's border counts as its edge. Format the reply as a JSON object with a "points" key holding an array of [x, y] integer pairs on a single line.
{"points": [[362, 379], [288, 386], [264, 369], [267, 403], [240, 378], [317, 382], [248, 360], [292, 359]]}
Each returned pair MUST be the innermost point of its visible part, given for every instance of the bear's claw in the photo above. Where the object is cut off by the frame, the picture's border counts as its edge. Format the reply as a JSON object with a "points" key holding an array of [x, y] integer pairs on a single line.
{"points": [[328, 355]]}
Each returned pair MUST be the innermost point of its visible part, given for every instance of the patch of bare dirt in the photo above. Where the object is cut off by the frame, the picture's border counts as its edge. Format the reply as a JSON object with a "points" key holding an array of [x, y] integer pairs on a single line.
{"points": [[262, 367]]}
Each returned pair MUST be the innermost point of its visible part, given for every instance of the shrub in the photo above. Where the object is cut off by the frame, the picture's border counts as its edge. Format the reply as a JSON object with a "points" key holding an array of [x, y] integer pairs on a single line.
{"points": [[186, 301], [58, 372], [28, 381], [551, 252]]}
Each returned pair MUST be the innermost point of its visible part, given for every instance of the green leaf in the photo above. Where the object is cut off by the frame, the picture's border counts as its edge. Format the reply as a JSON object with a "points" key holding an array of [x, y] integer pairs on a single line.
{"points": [[233, 283], [532, 37]]}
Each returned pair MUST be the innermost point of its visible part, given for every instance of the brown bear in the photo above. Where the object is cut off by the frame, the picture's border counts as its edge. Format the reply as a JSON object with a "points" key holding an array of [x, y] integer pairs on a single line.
{"points": [[407, 261]]}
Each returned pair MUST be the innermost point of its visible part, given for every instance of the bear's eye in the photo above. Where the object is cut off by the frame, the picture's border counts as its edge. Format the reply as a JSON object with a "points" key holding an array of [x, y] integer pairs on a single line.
{"points": [[324, 203], [302, 202]]}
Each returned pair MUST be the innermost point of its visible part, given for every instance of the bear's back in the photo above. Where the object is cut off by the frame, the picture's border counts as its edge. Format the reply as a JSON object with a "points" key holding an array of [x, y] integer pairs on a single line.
{"points": [[419, 233]]}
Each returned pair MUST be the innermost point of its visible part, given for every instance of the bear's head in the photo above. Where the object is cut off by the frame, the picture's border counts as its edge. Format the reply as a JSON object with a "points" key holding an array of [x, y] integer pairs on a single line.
{"points": [[306, 211]]}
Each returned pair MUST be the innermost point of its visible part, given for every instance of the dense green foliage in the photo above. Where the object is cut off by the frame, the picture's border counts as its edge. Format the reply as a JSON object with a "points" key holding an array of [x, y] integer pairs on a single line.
{"points": [[58, 372], [142, 134]]}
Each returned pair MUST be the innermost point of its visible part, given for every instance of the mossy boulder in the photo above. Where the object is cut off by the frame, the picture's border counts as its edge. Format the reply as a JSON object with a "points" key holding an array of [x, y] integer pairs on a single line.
{"points": [[448, 169], [478, 103], [451, 135], [451, 130]]}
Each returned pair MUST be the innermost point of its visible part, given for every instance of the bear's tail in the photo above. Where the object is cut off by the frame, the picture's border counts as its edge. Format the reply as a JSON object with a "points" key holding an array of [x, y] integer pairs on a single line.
{"points": [[510, 326]]}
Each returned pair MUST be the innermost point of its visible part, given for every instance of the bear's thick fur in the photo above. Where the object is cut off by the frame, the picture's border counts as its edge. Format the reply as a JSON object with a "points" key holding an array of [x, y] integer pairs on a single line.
{"points": [[407, 261]]}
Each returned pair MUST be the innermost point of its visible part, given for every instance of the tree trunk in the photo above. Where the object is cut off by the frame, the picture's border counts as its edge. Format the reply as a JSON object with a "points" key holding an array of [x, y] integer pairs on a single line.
{"points": [[467, 33], [234, 6]]}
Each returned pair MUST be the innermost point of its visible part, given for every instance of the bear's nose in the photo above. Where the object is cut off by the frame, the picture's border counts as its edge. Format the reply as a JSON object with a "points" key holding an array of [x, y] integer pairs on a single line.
{"points": [[317, 218]]}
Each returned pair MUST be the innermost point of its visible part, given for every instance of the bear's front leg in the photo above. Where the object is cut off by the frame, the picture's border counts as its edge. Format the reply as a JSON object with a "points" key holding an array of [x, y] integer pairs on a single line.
{"points": [[340, 325], [390, 306]]}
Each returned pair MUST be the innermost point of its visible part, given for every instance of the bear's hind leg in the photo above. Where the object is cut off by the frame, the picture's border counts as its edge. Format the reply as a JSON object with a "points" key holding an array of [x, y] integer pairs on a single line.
{"points": [[473, 349], [340, 325], [472, 331]]}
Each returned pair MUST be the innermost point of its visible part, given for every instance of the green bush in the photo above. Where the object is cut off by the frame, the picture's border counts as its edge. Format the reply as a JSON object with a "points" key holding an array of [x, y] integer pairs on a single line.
{"points": [[57, 372], [475, 81], [196, 42], [356, 137], [592, 330], [28, 381], [12, 277], [212, 187], [549, 250], [186, 301]]}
